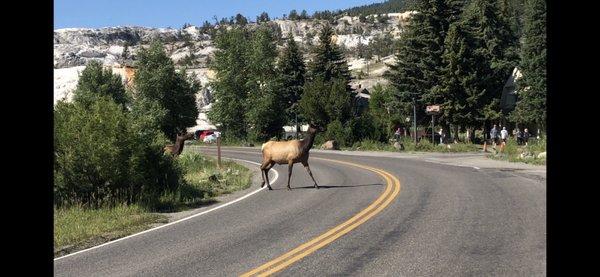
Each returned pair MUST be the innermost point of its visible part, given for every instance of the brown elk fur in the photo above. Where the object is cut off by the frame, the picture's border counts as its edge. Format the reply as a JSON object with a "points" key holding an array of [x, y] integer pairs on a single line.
{"points": [[177, 148], [287, 152]]}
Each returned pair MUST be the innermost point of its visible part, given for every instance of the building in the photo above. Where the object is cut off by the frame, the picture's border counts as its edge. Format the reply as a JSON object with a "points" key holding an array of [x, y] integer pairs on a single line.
{"points": [[508, 100], [361, 98]]}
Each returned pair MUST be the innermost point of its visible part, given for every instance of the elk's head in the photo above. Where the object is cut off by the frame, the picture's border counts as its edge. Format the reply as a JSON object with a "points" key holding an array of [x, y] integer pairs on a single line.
{"points": [[313, 128], [183, 135]]}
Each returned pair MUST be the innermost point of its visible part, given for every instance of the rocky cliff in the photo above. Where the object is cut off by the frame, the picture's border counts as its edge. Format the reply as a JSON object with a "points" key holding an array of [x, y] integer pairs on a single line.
{"points": [[75, 47]]}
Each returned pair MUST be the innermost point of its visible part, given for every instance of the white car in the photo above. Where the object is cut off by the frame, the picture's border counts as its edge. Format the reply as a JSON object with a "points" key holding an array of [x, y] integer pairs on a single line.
{"points": [[210, 138]]}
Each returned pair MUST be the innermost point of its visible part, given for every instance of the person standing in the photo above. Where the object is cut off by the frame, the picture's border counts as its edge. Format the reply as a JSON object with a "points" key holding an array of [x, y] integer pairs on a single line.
{"points": [[526, 136], [519, 136], [504, 135], [397, 134], [494, 135]]}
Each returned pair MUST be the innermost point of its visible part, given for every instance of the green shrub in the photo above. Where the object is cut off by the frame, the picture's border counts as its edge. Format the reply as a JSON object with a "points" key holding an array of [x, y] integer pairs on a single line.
{"points": [[335, 131], [102, 158]]}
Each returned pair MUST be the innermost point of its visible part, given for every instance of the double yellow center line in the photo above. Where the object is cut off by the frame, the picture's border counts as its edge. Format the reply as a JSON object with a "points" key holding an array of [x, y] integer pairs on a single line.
{"points": [[391, 191]]}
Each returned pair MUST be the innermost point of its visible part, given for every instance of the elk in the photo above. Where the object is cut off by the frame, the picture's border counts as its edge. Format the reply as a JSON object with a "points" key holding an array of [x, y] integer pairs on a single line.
{"points": [[177, 148], [287, 152]]}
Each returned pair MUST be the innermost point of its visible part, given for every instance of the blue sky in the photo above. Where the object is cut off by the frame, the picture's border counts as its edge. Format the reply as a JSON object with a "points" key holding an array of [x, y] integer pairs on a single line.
{"points": [[174, 13]]}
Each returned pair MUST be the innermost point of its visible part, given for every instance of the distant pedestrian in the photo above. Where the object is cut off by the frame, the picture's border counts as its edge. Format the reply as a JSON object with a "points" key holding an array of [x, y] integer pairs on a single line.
{"points": [[526, 136], [442, 135], [519, 136], [494, 135], [397, 134], [503, 135]]}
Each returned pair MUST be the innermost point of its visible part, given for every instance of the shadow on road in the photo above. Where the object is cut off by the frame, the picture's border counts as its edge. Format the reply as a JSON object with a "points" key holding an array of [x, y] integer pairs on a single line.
{"points": [[329, 187]]}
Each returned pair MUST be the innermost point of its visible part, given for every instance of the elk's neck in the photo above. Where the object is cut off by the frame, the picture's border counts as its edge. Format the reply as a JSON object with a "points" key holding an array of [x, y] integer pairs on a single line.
{"points": [[307, 143], [179, 145]]}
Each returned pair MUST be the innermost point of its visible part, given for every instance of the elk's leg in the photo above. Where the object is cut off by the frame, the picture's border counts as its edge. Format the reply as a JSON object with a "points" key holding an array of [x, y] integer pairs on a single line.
{"points": [[290, 166], [305, 164], [263, 167], [266, 170]]}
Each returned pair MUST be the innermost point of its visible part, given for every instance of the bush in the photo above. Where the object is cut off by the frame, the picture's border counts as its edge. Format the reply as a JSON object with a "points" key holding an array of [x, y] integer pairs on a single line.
{"points": [[102, 158], [91, 149], [335, 131]]}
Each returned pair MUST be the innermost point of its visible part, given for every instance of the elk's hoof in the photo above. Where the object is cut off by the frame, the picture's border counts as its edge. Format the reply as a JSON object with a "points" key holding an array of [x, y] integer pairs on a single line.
{"points": [[317, 187], [289, 188], [270, 188], [262, 184]]}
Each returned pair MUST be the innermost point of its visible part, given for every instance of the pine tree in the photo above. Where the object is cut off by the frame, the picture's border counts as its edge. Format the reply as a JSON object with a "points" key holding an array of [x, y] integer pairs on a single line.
{"points": [[125, 53], [462, 91], [96, 82], [239, 20], [531, 104], [156, 81], [497, 45], [265, 106], [419, 58], [327, 94], [292, 70], [328, 62], [230, 84], [264, 17], [293, 15], [478, 58], [303, 15]]}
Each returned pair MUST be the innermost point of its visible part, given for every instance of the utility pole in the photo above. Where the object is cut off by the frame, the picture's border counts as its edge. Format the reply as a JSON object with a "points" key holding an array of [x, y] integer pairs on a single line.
{"points": [[432, 131], [415, 117]]}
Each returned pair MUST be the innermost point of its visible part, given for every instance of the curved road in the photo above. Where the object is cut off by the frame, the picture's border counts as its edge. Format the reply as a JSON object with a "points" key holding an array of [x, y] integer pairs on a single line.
{"points": [[446, 220]]}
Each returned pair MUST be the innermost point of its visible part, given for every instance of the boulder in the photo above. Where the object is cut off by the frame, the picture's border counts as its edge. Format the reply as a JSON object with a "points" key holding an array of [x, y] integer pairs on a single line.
{"points": [[526, 154], [398, 146], [330, 145]]}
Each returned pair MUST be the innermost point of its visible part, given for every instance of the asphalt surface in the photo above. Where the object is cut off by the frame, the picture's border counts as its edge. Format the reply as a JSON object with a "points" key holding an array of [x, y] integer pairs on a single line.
{"points": [[446, 221]]}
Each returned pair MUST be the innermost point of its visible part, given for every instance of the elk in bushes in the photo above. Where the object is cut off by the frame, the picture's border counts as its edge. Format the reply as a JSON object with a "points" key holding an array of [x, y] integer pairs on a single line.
{"points": [[177, 148]]}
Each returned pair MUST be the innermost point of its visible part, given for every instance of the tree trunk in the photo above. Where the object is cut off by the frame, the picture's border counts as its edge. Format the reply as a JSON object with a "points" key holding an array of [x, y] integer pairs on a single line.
{"points": [[456, 138], [468, 137], [446, 130]]}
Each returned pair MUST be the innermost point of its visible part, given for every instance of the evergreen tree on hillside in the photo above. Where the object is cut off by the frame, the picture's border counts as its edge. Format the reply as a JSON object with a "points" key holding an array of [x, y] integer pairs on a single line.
{"points": [[327, 94], [465, 71], [157, 83], [265, 106], [240, 20], [531, 104], [96, 82], [419, 58], [478, 58], [264, 17], [328, 61], [125, 53], [230, 83], [293, 15], [303, 15], [292, 70], [497, 45]]}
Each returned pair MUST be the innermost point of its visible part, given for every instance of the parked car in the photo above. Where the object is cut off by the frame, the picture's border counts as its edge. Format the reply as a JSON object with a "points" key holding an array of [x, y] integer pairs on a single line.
{"points": [[210, 138], [201, 134]]}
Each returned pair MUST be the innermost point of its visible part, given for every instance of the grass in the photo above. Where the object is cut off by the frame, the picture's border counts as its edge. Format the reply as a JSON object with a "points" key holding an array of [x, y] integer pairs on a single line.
{"points": [[512, 152], [409, 146], [79, 227], [203, 182]]}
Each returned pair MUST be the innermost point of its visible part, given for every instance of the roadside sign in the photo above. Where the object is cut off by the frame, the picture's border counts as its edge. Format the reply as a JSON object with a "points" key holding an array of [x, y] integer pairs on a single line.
{"points": [[432, 109]]}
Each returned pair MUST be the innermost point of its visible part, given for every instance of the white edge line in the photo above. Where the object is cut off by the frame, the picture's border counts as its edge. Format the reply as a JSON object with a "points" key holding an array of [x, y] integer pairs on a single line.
{"points": [[180, 220]]}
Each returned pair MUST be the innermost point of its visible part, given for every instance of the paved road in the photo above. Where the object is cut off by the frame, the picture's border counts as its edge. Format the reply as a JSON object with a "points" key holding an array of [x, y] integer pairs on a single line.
{"points": [[447, 220]]}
